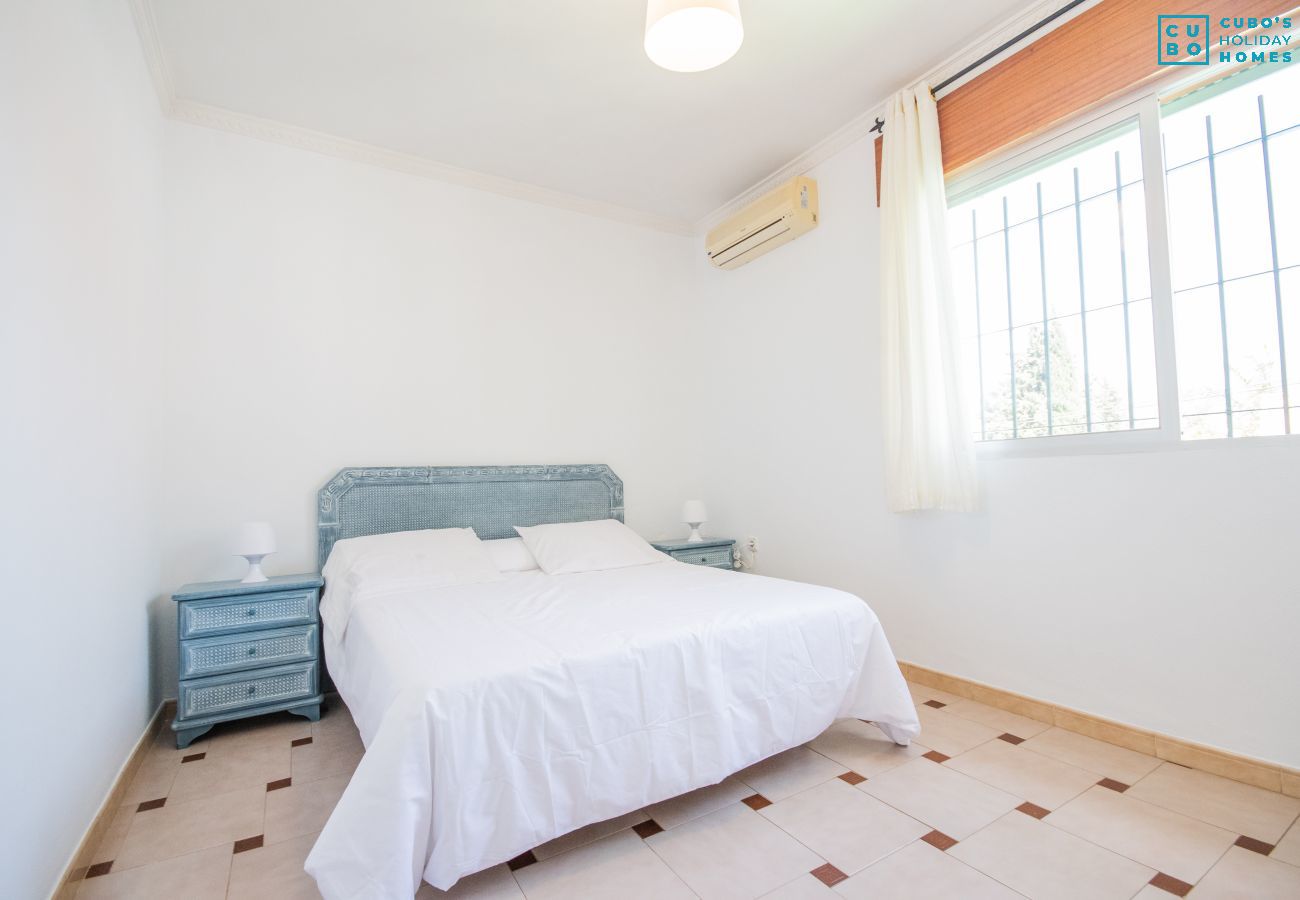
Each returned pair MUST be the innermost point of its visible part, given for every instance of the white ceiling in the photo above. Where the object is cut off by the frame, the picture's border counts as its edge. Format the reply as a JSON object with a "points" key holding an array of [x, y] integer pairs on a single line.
{"points": [[559, 93]]}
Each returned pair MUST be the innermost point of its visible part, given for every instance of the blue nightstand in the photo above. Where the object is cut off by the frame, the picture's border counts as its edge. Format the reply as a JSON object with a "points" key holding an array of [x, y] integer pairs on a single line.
{"points": [[715, 552], [245, 650]]}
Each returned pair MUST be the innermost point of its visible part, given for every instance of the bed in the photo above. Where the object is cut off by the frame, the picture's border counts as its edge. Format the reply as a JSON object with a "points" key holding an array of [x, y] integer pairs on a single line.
{"points": [[497, 716]]}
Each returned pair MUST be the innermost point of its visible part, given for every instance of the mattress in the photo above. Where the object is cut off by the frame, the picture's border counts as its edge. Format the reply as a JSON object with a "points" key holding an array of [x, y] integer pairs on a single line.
{"points": [[499, 716]]}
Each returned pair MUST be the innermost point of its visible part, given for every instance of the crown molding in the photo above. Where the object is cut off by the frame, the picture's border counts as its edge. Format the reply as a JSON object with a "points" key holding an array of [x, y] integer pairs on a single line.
{"points": [[998, 35], [814, 156], [860, 126], [160, 72], [193, 113]]}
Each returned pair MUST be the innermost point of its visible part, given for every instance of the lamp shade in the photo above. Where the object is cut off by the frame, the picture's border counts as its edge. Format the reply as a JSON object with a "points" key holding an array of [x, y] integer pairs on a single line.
{"points": [[254, 539], [694, 511], [692, 35]]}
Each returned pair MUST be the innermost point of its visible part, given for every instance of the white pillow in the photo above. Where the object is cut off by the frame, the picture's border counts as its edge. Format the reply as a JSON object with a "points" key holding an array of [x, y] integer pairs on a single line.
{"points": [[433, 558], [446, 555], [510, 555], [568, 547]]}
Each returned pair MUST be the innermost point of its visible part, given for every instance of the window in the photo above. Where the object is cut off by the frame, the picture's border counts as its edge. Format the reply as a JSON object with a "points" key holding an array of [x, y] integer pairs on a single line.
{"points": [[1053, 258], [1232, 161], [1053, 264]]}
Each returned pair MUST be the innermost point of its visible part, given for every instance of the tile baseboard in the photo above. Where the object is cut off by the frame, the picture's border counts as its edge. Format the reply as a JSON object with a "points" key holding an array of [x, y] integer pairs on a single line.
{"points": [[75, 871], [1247, 770]]}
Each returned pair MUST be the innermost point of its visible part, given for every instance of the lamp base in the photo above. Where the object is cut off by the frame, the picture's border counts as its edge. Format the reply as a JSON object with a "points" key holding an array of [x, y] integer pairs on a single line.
{"points": [[255, 574], [695, 536]]}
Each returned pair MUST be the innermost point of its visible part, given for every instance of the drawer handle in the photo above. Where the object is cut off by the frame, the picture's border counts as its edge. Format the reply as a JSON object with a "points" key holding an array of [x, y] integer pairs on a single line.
{"points": [[252, 651], [252, 689], [252, 611]]}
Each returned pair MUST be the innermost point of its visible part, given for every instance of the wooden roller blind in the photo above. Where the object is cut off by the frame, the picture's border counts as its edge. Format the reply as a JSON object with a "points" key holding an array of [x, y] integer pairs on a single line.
{"points": [[1100, 54]]}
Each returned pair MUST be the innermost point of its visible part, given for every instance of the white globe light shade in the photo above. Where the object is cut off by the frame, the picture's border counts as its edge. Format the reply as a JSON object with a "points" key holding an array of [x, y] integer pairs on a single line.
{"points": [[254, 538], [692, 35], [254, 541], [694, 511]]}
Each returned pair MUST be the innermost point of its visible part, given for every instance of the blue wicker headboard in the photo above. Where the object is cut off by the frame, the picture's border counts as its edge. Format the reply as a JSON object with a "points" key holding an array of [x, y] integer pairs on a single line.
{"points": [[489, 499]]}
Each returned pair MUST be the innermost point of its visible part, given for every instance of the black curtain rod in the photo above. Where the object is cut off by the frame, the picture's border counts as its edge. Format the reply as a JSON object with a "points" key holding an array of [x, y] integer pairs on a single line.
{"points": [[1011, 43], [880, 123]]}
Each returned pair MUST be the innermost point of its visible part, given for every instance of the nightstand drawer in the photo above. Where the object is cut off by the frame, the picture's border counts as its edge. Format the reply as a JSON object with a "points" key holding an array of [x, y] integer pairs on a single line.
{"points": [[226, 615], [235, 652], [709, 556], [222, 693]]}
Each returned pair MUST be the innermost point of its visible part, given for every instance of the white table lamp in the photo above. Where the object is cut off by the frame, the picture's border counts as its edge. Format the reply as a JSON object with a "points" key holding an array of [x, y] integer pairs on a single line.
{"points": [[254, 541], [694, 514]]}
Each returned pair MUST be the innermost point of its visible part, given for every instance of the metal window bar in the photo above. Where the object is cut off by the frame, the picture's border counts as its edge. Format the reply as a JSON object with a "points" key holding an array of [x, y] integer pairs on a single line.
{"points": [[1011, 332], [1210, 284], [1132, 300], [1277, 274], [979, 335], [1042, 286], [1123, 283], [1218, 262], [1222, 150], [1083, 302], [1252, 409]]}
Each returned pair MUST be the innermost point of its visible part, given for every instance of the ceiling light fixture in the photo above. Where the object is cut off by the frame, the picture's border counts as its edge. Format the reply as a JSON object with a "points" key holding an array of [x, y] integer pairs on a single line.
{"points": [[692, 35]]}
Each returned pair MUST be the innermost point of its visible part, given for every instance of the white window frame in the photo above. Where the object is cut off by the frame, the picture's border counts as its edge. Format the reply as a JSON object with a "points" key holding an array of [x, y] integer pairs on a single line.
{"points": [[1142, 105]]}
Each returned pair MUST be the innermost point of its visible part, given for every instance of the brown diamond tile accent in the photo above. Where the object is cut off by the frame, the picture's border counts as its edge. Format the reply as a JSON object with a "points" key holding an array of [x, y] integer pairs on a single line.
{"points": [[99, 869], [939, 840], [1250, 843], [1114, 785], [852, 778], [276, 785], [645, 829], [300, 742], [151, 804], [193, 757], [1171, 884], [1030, 809], [523, 859], [828, 875], [756, 801], [934, 704], [251, 843], [936, 756], [1011, 738]]}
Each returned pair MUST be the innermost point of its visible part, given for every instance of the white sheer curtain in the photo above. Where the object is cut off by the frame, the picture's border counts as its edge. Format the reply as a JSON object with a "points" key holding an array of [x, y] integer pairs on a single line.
{"points": [[929, 455]]}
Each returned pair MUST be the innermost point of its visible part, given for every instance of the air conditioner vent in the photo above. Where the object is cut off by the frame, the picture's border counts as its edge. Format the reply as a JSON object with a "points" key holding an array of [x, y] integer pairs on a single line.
{"points": [[774, 219]]}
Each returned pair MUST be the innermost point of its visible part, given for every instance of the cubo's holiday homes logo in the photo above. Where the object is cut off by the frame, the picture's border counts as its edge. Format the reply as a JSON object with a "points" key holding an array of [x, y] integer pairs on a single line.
{"points": [[1250, 40], [1186, 40]]}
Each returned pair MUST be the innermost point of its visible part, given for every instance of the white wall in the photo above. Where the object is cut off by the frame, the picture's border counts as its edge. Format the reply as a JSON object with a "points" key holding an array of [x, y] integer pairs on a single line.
{"points": [[79, 214], [200, 328], [323, 314], [1153, 588]]}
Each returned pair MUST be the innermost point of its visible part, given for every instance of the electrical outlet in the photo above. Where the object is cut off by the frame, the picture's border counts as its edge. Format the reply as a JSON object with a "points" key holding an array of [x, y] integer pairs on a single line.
{"points": [[751, 544]]}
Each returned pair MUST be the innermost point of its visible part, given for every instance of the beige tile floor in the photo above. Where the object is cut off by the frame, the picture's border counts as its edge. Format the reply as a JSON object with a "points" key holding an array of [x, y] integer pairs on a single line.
{"points": [[985, 805]]}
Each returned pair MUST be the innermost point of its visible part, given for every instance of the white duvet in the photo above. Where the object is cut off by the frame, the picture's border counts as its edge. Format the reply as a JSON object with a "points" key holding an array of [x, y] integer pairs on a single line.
{"points": [[498, 716]]}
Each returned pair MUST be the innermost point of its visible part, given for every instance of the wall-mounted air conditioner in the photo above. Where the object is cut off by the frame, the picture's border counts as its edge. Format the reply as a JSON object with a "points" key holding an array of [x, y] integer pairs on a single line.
{"points": [[775, 219]]}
